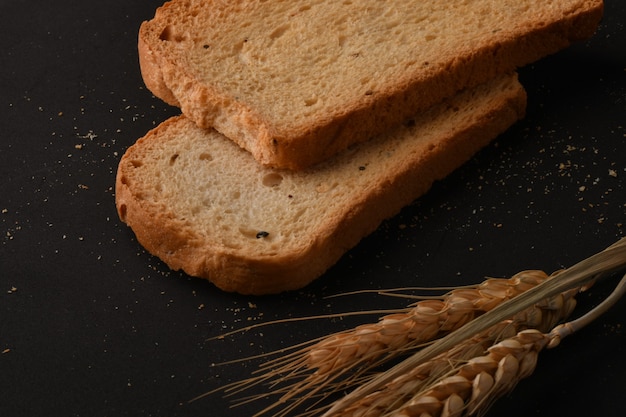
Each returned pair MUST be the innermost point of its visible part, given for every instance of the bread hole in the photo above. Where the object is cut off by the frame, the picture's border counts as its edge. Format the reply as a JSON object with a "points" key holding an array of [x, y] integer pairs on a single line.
{"points": [[272, 180], [122, 210], [278, 32], [173, 159], [341, 21], [136, 163], [430, 38], [299, 214], [310, 101], [124, 180], [325, 187], [168, 34], [206, 156], [235, 195], [392, 24], [231, 245]]}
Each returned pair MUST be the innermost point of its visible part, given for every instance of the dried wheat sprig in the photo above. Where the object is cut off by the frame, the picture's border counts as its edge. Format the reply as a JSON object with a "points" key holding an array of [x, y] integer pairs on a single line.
{"points": [[480, 381], [604, 263], [295, 383], [320, 385], [543, 316], [471, 387], [425, 321], [403, 388]]}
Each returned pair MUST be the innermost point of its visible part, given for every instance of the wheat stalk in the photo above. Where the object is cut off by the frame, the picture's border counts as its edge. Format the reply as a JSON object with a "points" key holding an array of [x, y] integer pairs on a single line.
{"points": [[425, 321], [448, 385], [296, 378], [543, 316], [481, 380], [602, 264], [448, 335]]}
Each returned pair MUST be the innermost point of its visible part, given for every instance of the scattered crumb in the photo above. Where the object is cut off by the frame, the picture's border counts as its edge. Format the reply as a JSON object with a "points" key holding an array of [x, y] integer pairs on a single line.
{"points": [[6, 351], [13, 290]]}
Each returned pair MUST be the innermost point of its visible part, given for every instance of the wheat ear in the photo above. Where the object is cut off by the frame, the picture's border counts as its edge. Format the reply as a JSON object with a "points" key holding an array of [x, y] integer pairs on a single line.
{"points": [[545, 315], [448, 385], [424, 322], [481, 380], [602, 264], [296, 383]]}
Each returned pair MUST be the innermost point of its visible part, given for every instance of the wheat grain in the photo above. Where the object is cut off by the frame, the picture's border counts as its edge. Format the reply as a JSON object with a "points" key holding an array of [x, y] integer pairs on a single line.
{"points": [[424, 322], [480, 381], [352, 355], [602, 264], [452, 376], [467, 385], [419, 383]]}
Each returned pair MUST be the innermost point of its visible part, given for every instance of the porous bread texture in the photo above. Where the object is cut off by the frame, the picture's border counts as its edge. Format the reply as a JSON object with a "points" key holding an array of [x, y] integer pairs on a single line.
{"points": [[205, 206], [294, 82]]}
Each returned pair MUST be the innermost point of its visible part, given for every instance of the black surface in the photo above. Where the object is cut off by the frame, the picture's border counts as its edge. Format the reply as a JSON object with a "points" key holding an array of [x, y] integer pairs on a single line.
{"points": [[91, 325]]}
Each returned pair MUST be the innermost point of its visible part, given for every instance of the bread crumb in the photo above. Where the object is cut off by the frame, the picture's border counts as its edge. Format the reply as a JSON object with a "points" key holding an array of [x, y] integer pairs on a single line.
{"points": [[6, 351], [13, 290]]}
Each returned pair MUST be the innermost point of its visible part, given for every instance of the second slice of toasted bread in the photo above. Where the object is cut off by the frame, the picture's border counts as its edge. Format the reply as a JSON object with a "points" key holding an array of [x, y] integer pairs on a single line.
{"points": [[204, 205]]}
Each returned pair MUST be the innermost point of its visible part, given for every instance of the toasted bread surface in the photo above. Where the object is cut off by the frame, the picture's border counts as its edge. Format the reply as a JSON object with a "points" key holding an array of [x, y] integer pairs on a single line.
{"points": [[204, 205], [294, 82]]}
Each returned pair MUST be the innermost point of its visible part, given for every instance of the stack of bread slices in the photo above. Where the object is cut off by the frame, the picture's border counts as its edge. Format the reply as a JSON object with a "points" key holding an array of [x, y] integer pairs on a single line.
{"points": [[307, 123]]}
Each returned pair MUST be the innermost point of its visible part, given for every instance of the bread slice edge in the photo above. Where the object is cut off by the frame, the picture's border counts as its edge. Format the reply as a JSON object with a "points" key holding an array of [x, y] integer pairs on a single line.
{"points": [[168, 78], [164, 234]]}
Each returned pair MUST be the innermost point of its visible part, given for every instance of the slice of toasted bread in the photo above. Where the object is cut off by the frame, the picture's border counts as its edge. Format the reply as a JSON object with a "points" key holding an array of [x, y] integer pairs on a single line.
{"points": [[204, 205], [294, 82]]}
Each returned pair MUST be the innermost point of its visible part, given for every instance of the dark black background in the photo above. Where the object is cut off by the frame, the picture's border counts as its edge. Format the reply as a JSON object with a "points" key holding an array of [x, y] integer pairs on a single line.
{"points": [[91, 325]]}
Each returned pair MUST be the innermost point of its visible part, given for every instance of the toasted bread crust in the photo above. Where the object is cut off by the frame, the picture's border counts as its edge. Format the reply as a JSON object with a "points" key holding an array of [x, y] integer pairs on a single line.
{"points": [[178, 241], [169, 76]]}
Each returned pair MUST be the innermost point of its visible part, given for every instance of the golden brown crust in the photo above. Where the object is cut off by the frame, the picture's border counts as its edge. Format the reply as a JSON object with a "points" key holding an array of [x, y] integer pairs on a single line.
{"points": [[373, 114], [151, 70], [176, 242]]}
